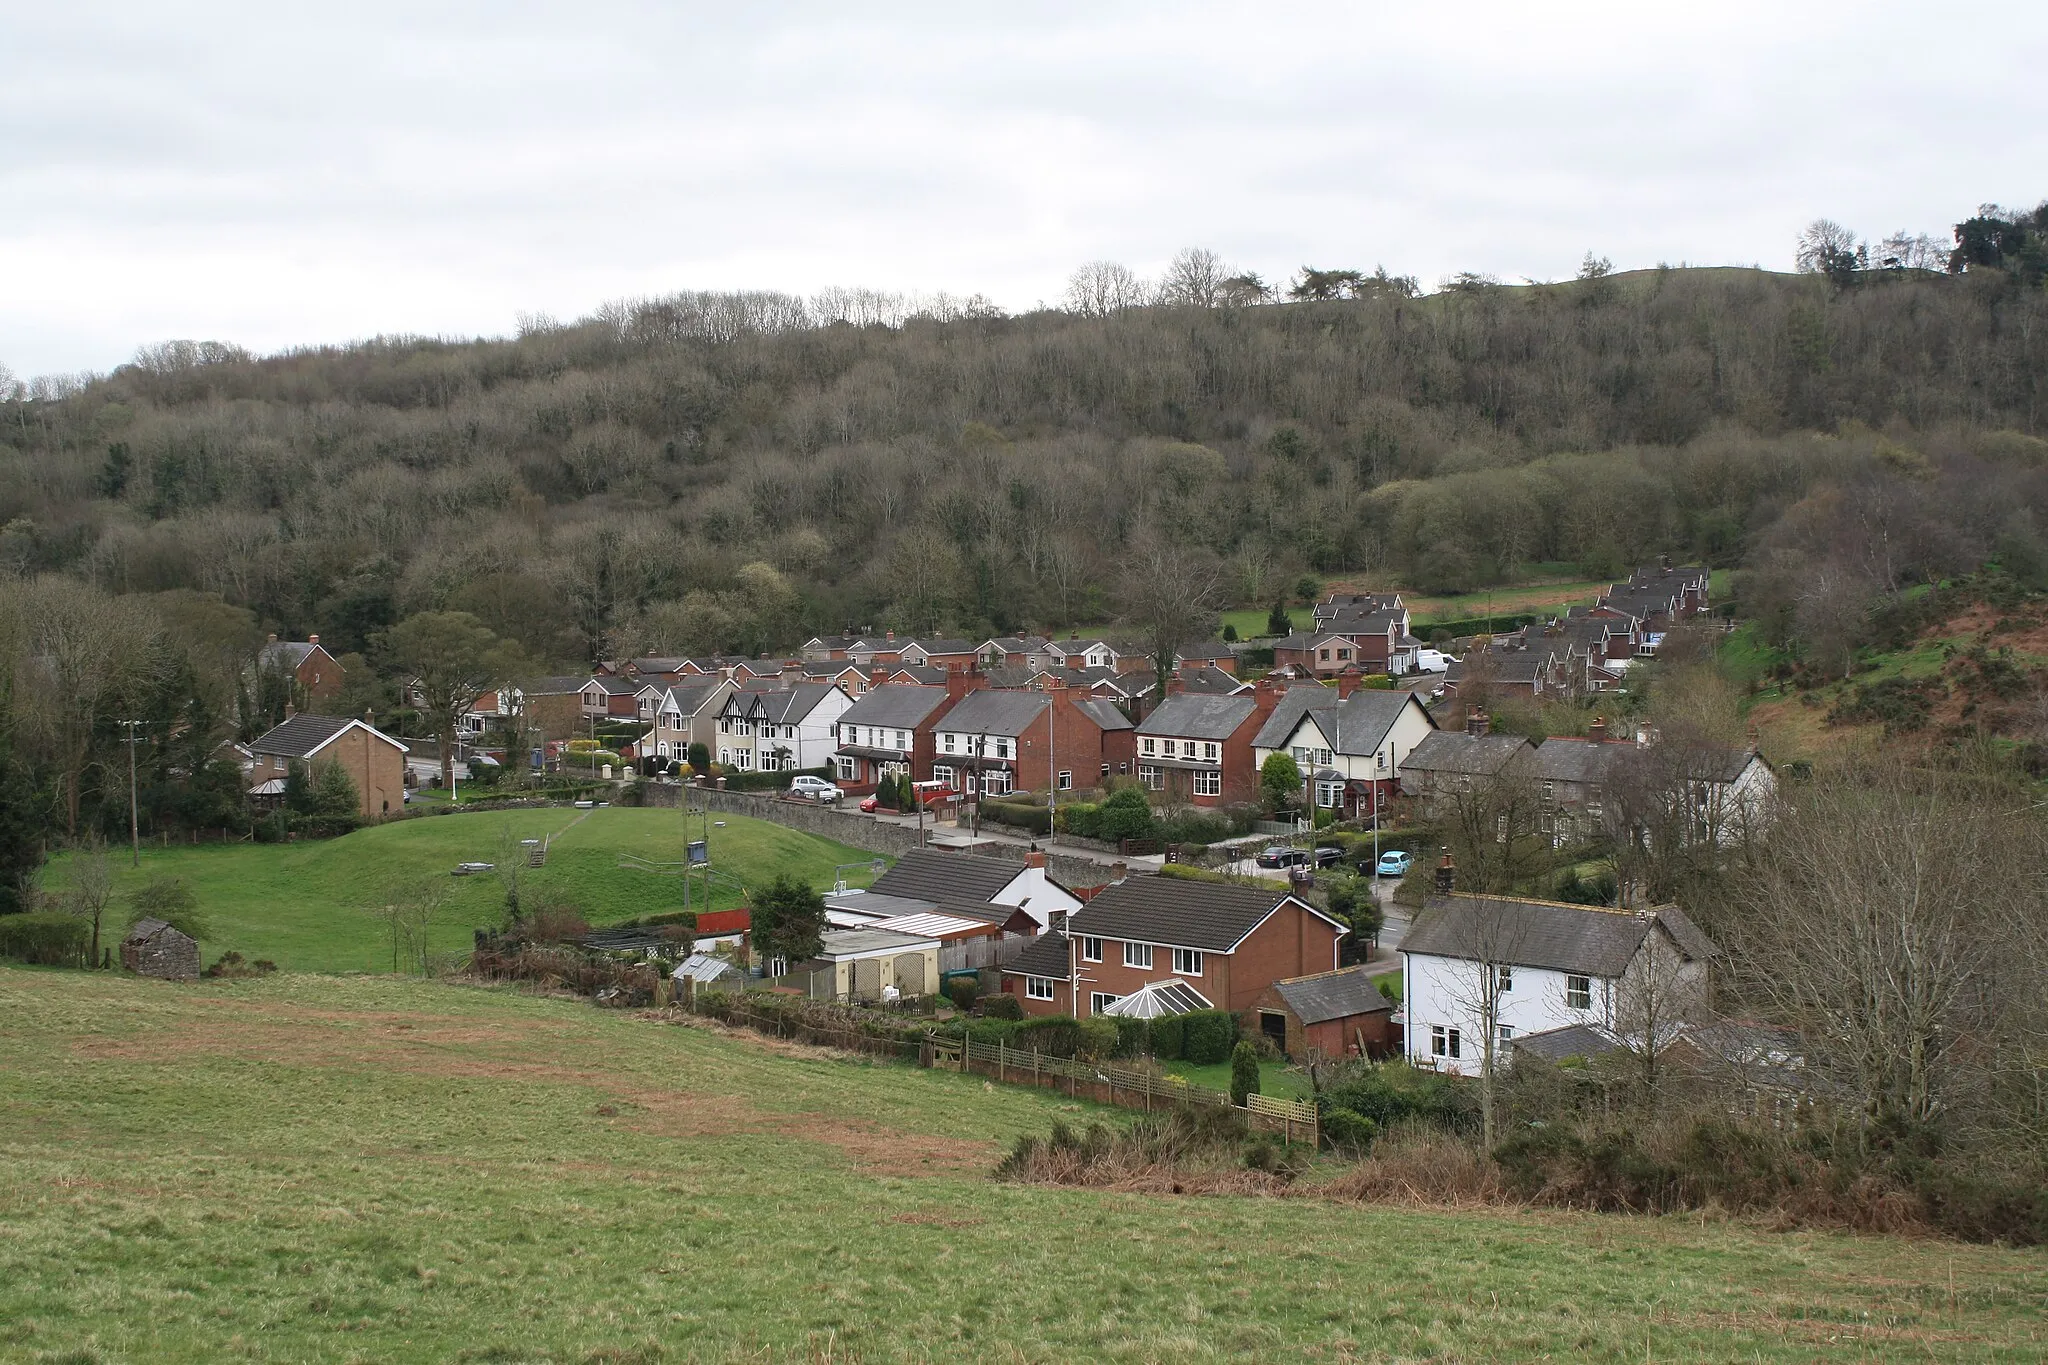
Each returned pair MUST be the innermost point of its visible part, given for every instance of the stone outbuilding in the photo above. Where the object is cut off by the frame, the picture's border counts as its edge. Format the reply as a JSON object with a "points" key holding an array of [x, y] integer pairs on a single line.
{"points": [[153, 948], [1330, 1014]]}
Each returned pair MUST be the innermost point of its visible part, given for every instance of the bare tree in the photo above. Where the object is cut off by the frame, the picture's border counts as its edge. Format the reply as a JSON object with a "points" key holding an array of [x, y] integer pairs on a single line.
{"points": [[1491, 823], [1660, 989], [1489, 941], [1102, 288], [408, 911], [447, 659], [92, 888], [1194, 278], [1169, 596], [1828, 248]]}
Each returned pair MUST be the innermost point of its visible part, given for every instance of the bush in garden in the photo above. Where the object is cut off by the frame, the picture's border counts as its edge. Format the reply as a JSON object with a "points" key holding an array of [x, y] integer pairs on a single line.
{"points": [[1165, 1042], [1097, 1038], [1056, 1035], [1133, 1036], [961, 990], [1002, 1005], [1244, 1073], [1207, 1036]]}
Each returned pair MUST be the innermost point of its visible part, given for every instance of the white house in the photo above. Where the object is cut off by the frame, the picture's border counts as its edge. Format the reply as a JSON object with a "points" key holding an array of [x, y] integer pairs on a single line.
{"points": [[1352, 743], [936, 877], [782, 730], [1555, 965]]}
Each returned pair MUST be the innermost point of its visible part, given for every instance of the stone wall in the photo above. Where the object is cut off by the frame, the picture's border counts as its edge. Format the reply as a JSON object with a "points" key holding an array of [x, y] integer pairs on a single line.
{"points": [[168, 955]]}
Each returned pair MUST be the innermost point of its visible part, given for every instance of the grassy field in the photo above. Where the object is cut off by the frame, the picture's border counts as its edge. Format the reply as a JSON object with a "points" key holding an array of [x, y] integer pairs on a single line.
{"points": [[356, 1169], [303, 905], [1275, 1078]]}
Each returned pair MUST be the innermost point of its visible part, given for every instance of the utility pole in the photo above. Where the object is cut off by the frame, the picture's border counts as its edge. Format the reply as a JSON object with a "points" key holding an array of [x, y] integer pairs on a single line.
{"points": [[134, 822], [1052, 766]]}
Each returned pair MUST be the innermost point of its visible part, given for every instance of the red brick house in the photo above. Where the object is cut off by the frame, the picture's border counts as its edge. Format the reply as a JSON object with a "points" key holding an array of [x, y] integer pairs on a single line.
{"points": [[1228, 943], [892, 729], [1327, 1015], [1023, 740], [1198, 746], [315, 674]]}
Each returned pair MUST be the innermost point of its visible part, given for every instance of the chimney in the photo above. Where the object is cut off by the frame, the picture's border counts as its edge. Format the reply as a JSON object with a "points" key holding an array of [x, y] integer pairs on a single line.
{"points": [[1347, 682], [1446, 875], [960, 681], [1176, 685], [877, 676], [1035, 859], [1477, 722], [1117, 872], [290, 710], [1597, 731], [312, 639]]}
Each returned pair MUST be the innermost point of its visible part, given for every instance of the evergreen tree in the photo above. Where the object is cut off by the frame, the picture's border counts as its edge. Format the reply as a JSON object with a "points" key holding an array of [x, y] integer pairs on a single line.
{"points": [[334, 791], [1278, 622], [1244, 1073], [788, 921], [22, 822]]}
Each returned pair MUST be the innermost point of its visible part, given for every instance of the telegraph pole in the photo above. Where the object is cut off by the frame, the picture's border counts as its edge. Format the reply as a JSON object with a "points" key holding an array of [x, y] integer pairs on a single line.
{"points": [[134, 823]]}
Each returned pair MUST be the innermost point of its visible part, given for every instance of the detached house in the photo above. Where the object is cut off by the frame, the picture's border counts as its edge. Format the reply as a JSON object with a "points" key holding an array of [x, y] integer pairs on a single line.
{"points": [[373, 760], [781, 730], [1207, 943], [315, 674], [1198, 746], [1349, 744], [611, 696], [927, 878], [1552, 966], [552, 707]]}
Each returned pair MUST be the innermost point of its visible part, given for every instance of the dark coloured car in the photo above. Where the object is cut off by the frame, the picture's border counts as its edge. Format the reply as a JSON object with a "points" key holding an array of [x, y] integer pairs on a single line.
{"points": [[1283, 857], [1328, 855]]}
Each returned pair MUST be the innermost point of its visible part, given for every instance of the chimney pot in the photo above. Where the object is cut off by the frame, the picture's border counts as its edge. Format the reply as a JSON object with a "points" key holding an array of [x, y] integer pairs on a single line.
{"points": [[1446, 874], [1597, 731], [1477, 722], [1117, 872], [312, 639], [1347, 682], [273, 637]]}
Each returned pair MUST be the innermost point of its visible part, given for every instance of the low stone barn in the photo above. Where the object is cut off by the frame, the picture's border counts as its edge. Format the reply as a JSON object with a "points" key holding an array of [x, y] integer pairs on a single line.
{"points": [[153, 948], [1329, 1014]]}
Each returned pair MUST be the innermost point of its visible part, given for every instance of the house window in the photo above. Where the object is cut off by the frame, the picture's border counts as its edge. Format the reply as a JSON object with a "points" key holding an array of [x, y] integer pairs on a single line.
{"points": [[1329, 795], [1209, 752], [1324, 655], [1343, 654], [1138, 955], [1148, 747], [1091, 950], [942, 773], [1503, 979], [1507, 1034], [1003, 749], [996, 782], [1066, 782], [1209, 782], [848, 770], [1151, 777], [947, 741], [1187, 962], [1578, 992], [1098, 1001], [1443, 1042], [1038, 988], [661, 748]]}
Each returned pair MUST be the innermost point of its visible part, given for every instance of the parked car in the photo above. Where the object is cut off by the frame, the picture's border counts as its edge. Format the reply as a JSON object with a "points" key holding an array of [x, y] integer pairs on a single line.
{"points": [[870, 804], [815, 788], [1328, 855], [1283, 857], [1395, 862]]}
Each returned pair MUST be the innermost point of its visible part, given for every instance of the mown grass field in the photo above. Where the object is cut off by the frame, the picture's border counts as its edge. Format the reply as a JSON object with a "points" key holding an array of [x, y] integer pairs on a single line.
{"points": [[357, 1169], [306, 906]]}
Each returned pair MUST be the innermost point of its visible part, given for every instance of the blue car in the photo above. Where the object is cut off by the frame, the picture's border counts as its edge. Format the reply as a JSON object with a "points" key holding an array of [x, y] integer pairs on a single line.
{"points": [[1395, 862]]}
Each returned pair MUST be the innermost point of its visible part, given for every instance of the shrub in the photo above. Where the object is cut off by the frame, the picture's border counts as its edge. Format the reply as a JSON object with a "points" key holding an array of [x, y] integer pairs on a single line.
{"points": [[1056, 1035], [1207, 1036], [170, 900], [700, 758], [1097, 1038], [1348, 1130], [1133, 1036], [961, 990], [1018, 815], [324, 826], [1244, 1073], [1196, 827], [1002, 1005], [1165, 1040], [1082, 819], [1390, 1092], [1125, 815], [48, 938]]}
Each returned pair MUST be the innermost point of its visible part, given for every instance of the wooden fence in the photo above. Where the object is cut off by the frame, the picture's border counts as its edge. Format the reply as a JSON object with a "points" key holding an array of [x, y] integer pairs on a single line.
{"points": [[1107, 1083]]}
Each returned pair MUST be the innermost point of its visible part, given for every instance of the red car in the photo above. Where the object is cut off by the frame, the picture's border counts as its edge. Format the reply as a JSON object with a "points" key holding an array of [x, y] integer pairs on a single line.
{"points": [[870, 804]]}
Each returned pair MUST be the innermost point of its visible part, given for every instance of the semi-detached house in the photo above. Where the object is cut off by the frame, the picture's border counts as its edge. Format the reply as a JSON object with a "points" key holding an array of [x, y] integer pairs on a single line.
{"points": [[890, 731], [1349, 744], [781, 729], [1198, 746], [1002, 740]]}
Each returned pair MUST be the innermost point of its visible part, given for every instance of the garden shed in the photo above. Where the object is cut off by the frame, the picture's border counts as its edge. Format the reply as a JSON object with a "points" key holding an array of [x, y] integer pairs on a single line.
{"points": [[154, 948], [1329, 1014]]}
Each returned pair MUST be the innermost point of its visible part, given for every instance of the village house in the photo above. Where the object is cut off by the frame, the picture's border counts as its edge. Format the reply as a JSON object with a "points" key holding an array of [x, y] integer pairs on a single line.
{"points": [[373, 760], [1224, 943], [1349, 743], [780, 730], [928, 878], [610, 696], [998, 741], [552, 708], [315, 675], [1572, 778], [891, 730], [1198, 746], [1448, 764], [1553, 966], [688, 714]]}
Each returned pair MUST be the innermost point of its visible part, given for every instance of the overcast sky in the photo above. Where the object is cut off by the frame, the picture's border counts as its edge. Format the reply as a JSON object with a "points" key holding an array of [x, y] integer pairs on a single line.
{"points": [[246, 173]]}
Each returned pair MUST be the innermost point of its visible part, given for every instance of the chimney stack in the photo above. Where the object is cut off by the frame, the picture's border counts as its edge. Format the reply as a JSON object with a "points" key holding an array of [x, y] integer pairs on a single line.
{"points": [[1347, 682], [1597, 731], [273, 637], [877, 676], [1117, 872], [290, 710], [1035, 859], [1477, 722], [892, 637], [312, 639], [1446, 875], [1176, 685]]}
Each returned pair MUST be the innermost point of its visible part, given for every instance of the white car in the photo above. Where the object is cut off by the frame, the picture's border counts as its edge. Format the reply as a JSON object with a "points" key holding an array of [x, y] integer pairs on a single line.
{"points": [[1432, 661], [816, 788]]}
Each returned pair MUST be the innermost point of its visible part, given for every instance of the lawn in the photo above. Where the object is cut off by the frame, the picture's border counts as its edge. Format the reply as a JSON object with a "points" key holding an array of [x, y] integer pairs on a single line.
{"points": [[375, 1169], [1505, 600], [1275, 1078], [305, 906]]}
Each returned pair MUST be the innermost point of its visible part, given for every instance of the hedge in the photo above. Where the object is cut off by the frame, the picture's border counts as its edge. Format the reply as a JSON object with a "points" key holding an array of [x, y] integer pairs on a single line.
{"points": [[1167, 1035], [48, 938], [1133, 1036], [1207, 1036], [1478, 625], [1036, 819], [769, 782], [1056, 1035]]}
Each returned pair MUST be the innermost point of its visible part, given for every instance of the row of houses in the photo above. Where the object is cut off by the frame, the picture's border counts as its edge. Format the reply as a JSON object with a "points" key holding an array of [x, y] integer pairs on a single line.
{"points": [[1586, 650]]}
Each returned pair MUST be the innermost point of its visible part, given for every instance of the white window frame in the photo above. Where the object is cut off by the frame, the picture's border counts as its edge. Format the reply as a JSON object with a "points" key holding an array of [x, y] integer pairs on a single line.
{"points": [[1151, 777], [1138, 955], [1187, 962], [943, 773], [1578, 992], [1444, 1041], [1503, 979], [1149, 747], [996, 782], [1039, 988], [1091, 948], [1209, 782], [1505, 1034], [1066, 781], [1098, 1001], [1329, 795]]}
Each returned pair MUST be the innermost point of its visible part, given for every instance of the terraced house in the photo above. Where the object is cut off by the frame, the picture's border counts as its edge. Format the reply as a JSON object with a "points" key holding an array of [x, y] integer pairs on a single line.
{"points": [[781, 729]]}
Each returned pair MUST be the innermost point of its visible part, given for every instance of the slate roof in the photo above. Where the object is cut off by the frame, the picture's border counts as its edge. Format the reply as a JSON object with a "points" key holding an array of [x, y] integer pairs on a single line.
{"points": [[616, 684], [304, 736], [1563, 1044], [781, 706], [145, 929], [1046, 955], [691, 696], [929, 675], [1103, 712], [1454, 751], [936, 646], [651, 664], [898, 706], [1206, 649], [1198, 715], [1294, 703], [1332, 995], [991, 711], [929, 874], [1563, 759], [1212, 916], [1359, 724], [1563, 938], [553, 687], [284, 653]]}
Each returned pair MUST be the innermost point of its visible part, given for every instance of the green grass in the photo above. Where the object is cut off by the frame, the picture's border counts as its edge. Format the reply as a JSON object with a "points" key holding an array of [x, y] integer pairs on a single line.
{"points": [[304, 905], [371, 1169], [1275, 1078]]}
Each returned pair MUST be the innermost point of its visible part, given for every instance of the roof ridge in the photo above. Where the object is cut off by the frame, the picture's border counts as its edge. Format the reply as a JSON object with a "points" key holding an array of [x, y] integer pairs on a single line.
{"points": [[1562, 905]]}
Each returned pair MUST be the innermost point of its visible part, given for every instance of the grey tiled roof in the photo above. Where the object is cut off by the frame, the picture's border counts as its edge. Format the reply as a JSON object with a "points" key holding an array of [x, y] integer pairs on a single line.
{"points": [[1563, 1044], [1454, 751], [1045, 955], [284, 653], [992, 711], [1564, 938], [1360, 722], [1198, 715], [1332, 995], [1212, 916], [899, 706], [932, 875], [1562, 759], [1294, 703], [1103, 712], [302, 736], [553, 687]]}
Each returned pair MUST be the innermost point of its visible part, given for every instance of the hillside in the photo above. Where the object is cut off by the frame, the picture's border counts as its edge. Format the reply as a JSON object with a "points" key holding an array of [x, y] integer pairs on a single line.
{"points": [[309, 906], [329, 1170]]}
